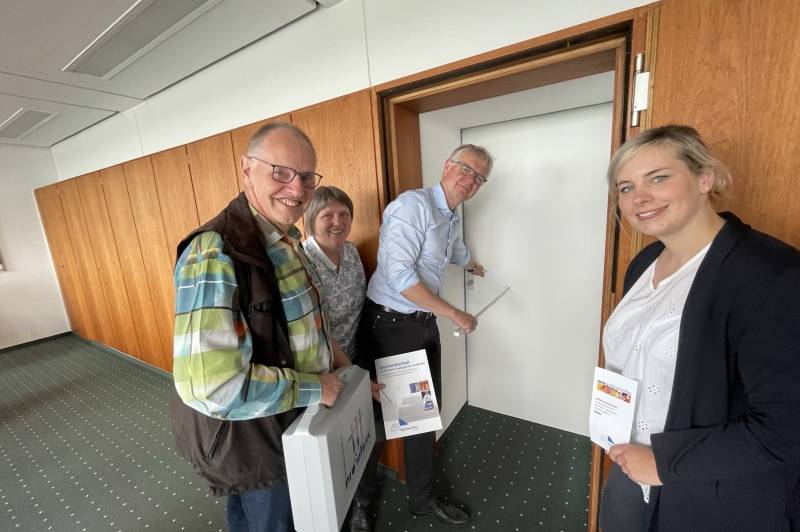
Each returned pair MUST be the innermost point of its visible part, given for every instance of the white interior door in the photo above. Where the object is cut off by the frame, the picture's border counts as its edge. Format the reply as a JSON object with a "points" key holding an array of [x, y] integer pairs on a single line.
{"points": [[440, 132], [539, 227]]}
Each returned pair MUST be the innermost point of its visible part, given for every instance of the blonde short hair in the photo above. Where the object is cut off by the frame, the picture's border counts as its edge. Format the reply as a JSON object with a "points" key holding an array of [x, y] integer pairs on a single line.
{"points": [[689, 148]]}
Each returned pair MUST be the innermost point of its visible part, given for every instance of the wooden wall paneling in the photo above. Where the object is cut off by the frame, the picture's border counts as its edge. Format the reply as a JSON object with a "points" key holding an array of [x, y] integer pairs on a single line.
{"points": [[213, 172], [63, 253], [143, 317], [100, 234], [157, 258], [240, 137], [175, 195], [405, 172], [83, 247], [381, 175], [732, 70], [341, 130]]}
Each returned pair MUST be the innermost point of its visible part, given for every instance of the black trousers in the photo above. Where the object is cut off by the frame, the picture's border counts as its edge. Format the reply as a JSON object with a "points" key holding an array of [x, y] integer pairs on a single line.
{"points": [[382, 334], [622, 506]]}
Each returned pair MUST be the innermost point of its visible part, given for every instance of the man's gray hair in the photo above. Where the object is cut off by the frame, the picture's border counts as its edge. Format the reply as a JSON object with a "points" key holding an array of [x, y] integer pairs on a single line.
{"points": [[270, 127], [480, 151]]}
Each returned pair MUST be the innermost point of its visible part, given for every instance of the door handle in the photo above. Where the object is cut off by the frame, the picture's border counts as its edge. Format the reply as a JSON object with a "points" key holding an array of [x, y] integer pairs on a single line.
{"points": [[470, 281]]}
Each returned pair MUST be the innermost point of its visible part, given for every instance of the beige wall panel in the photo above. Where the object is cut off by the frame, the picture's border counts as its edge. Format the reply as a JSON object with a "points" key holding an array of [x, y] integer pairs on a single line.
{"points": [[175, 195], [158, 262], [341, 131], [143, 318], [86, 263], [213, 174], [98, 227], [61, 249]]}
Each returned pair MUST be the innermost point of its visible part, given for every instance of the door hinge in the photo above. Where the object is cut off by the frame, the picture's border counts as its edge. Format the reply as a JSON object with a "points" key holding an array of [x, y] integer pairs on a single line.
{"points": [[641, 89]]}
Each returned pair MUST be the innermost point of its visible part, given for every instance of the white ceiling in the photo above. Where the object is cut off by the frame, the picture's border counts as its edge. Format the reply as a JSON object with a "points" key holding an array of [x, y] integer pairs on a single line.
{"points": [[39, 38]]}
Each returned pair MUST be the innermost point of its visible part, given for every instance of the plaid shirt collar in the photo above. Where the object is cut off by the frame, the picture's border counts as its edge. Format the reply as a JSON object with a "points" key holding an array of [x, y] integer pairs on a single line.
{"points": [[269, 234]]}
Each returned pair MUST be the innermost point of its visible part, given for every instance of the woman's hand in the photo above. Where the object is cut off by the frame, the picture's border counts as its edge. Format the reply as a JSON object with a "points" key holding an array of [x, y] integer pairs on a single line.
{"points": [[636, 461]]}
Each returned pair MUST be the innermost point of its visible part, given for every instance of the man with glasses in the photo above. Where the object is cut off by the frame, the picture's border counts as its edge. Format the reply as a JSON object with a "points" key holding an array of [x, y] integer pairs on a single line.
{"points": [[421, 234], [251, 341]]}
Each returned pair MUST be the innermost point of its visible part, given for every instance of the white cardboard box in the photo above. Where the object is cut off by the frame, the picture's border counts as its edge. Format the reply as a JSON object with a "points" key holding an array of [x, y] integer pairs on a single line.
{"points": [[326, 450]]}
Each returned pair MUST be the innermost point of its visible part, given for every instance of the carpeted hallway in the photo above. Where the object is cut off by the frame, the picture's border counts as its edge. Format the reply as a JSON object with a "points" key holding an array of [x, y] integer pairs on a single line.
{"points": [[86, 444]]}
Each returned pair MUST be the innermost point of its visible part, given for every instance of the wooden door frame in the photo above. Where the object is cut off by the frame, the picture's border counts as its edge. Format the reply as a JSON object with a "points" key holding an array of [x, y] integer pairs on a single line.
{"points": [[607, 44]]}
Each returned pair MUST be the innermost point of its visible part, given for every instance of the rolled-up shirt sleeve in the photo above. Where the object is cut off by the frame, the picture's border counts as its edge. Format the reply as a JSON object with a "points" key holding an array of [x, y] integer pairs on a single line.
{"points": [[404, 242], [461, 255], [213, 349]]}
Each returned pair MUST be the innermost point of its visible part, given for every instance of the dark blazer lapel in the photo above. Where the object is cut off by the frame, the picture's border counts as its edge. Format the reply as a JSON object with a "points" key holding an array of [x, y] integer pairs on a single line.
{"points": [[696, 321]]}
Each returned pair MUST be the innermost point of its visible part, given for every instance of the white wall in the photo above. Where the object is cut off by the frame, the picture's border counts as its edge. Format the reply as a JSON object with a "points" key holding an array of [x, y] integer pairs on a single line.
{"points": [[328, 53], [414, 35], [30, 301]]}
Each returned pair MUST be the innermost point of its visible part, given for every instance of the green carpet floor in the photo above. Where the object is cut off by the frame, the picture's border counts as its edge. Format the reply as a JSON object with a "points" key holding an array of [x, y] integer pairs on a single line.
{"points": [[514, 476], [86, 445]]}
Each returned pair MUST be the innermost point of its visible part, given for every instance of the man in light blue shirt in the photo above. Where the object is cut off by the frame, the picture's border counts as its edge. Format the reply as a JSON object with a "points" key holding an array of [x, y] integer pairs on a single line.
{"points": [[421, 234]]}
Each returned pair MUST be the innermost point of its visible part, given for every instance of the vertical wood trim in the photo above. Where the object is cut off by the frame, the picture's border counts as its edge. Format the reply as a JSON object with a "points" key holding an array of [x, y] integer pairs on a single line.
{"points": [[381, 182], [115, 191], [213, 174], [62, 252], [175, 195], [156, 257], [98, 226], [87, 264], [406, 149]]}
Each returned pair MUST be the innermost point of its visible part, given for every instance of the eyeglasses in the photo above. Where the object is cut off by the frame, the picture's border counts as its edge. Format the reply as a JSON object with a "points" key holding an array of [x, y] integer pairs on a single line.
{"points": [[468, 171], [284, 174]]}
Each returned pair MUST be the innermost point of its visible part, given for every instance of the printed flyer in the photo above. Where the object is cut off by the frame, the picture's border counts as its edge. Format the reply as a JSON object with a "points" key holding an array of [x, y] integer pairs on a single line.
{"points": [[408, 401], [613, 406]]}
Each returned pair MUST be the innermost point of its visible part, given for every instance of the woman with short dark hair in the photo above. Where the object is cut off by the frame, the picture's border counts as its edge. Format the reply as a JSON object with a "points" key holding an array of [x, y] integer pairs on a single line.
{"points": [[327, 222]]}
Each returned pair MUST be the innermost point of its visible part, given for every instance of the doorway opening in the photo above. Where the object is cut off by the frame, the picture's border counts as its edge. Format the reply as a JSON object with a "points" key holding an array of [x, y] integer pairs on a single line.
{"points": [[576, 57]]}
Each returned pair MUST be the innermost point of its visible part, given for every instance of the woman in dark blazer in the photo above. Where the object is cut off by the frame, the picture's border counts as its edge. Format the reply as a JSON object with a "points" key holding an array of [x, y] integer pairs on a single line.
{"points": [[710, 328]]}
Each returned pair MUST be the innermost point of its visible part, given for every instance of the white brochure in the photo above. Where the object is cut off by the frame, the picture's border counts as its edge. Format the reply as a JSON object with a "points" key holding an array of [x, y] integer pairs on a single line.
{"points": [[408, 401], [613, 406]]}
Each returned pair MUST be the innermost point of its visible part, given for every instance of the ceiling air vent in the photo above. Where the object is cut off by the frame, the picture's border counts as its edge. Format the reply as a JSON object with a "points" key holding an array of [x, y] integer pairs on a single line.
{"points": [[24, 122], [140, 29]]}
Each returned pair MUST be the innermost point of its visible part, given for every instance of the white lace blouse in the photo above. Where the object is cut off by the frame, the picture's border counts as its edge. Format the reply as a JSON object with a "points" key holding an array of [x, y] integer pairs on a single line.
{"points": [[640, 341]]}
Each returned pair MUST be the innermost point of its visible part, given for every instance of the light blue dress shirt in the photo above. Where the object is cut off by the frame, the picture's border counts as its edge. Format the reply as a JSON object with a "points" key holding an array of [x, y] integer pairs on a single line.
{"points": [[420, 236]]}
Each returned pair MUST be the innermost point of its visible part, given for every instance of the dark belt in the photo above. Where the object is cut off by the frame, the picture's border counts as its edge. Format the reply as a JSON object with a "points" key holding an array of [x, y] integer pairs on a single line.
{"points": [[418, 315]]}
